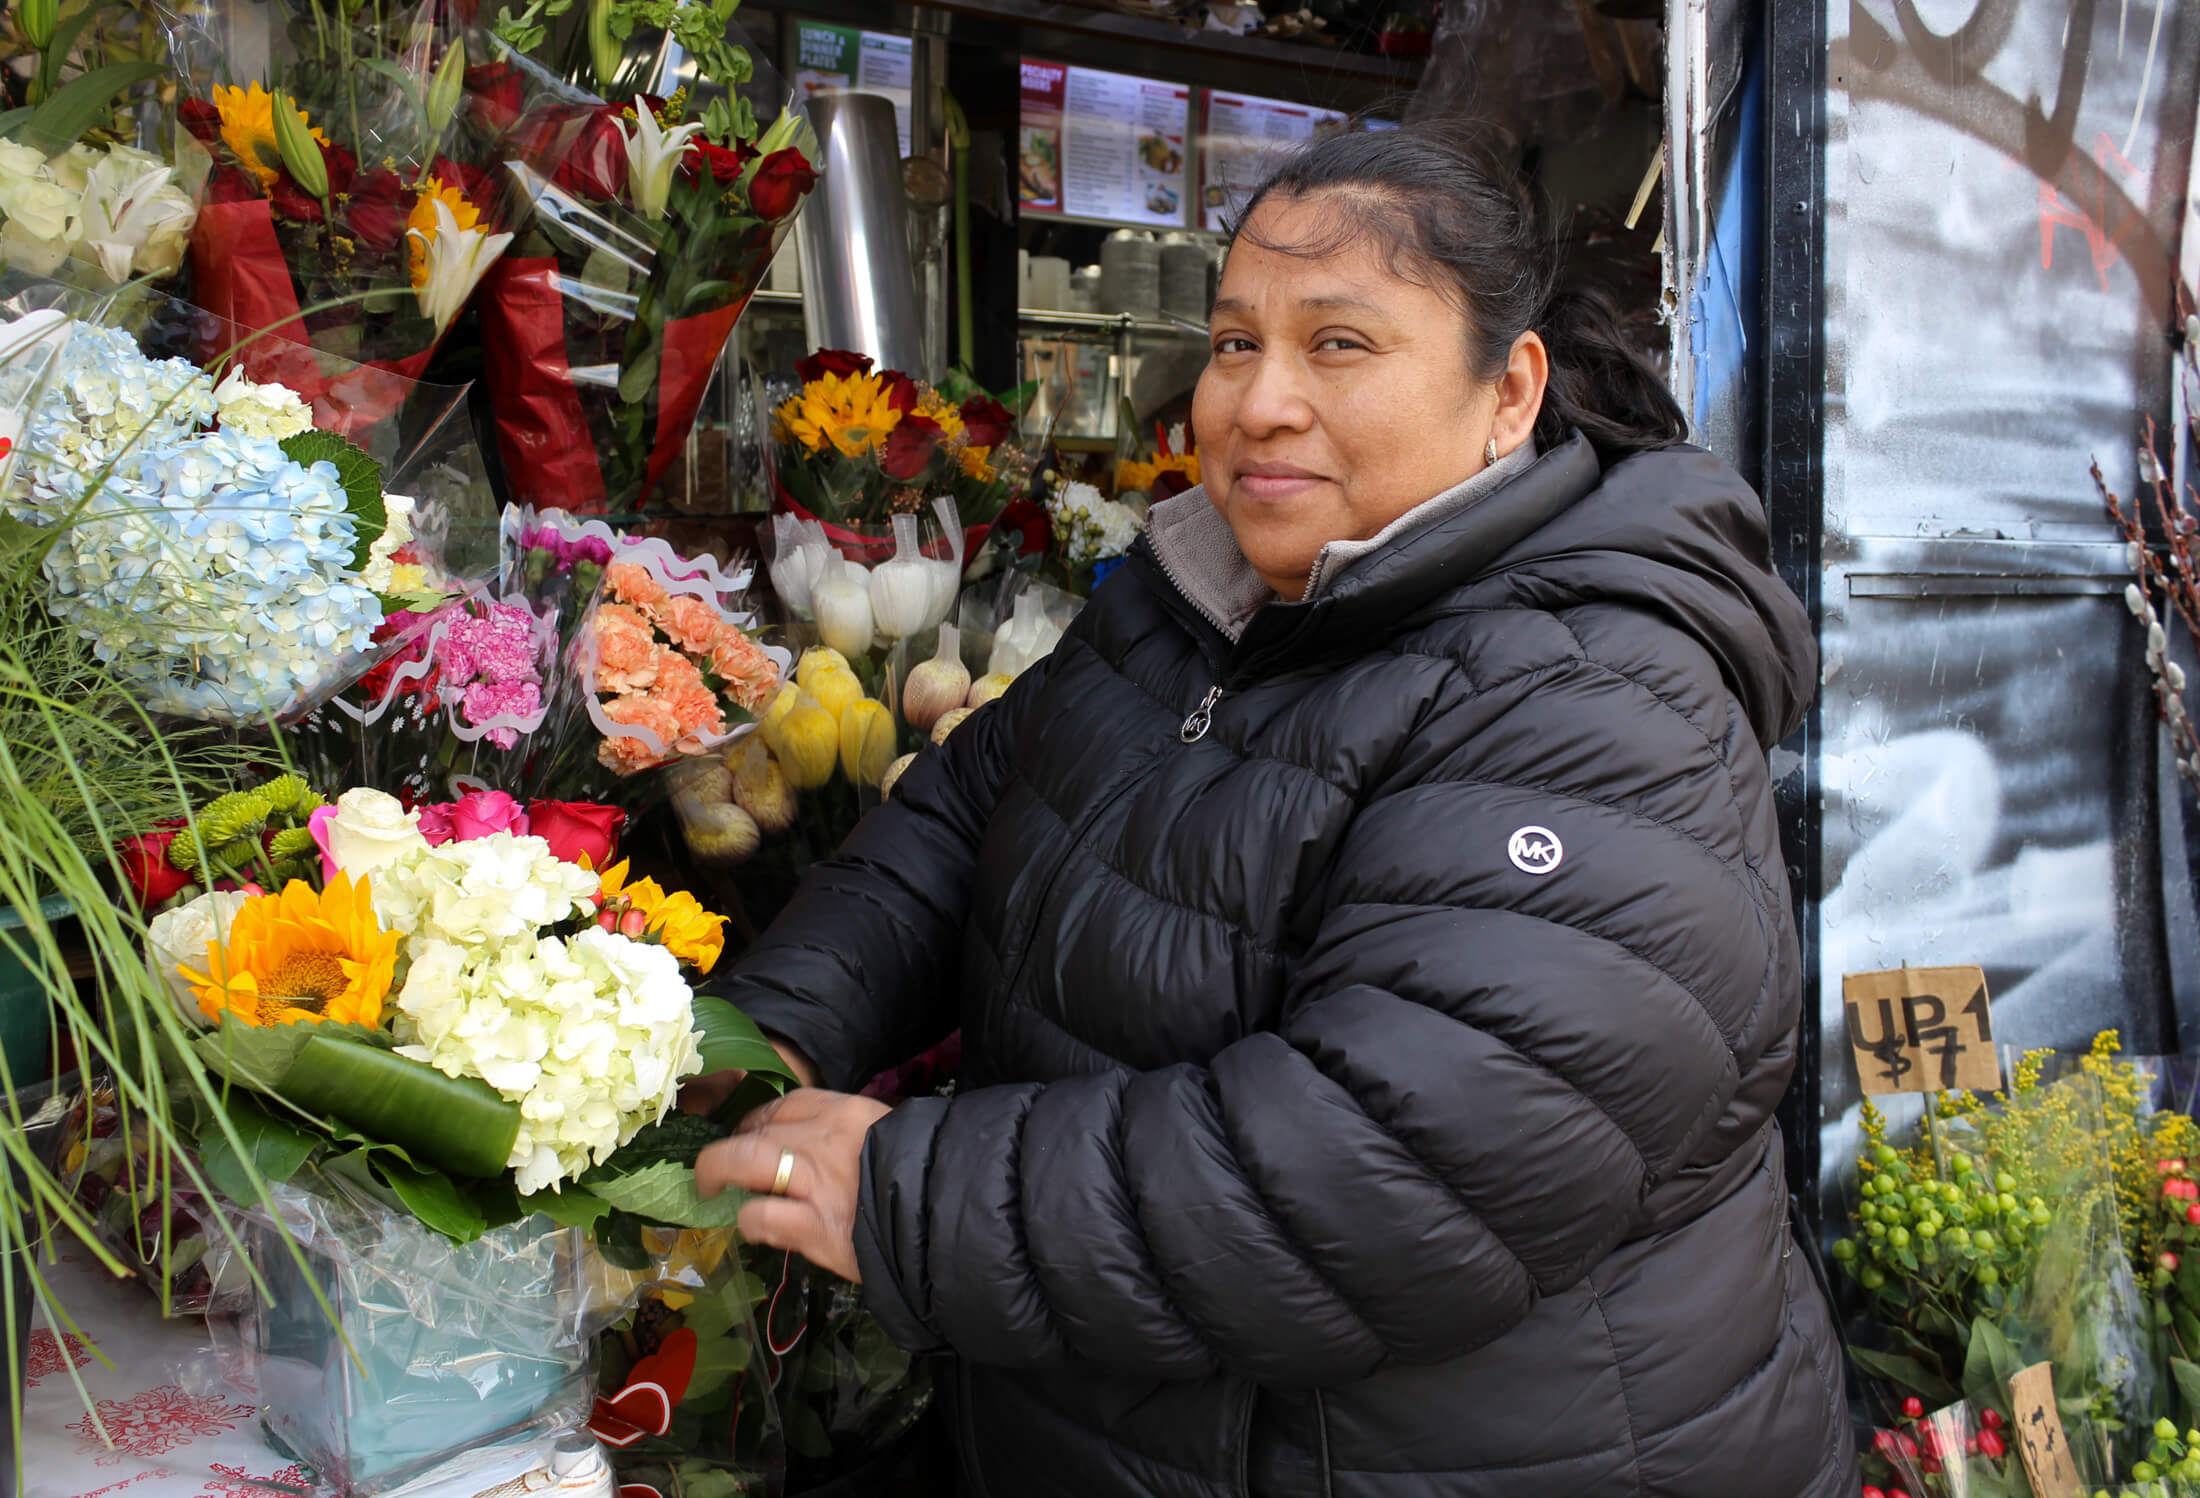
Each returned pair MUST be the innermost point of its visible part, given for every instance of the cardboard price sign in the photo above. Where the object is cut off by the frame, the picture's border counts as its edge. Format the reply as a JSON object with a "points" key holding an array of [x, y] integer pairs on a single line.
{"points": [[2040, 1437], [1921, 1029]]}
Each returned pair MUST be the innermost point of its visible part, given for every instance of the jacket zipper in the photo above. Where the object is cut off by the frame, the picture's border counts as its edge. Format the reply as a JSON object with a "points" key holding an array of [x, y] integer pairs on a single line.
{"points": [[1201, 717]]}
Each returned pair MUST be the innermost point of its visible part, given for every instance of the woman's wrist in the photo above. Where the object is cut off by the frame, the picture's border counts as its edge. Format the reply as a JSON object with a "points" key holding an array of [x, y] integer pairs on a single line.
{"points": [[804, 1069]]}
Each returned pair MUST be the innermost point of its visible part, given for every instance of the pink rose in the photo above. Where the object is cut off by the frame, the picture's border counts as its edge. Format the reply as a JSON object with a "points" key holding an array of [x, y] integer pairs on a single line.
{"points": [[435, 822], [480, 813]]}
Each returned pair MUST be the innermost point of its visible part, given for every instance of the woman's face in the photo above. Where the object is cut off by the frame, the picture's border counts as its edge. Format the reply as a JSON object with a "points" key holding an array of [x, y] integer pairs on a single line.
{"points": [[1338, 396]]}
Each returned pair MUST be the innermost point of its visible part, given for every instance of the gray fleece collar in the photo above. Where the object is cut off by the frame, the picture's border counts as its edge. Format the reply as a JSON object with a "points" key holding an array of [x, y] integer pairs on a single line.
{"points": [[1199, 552]]}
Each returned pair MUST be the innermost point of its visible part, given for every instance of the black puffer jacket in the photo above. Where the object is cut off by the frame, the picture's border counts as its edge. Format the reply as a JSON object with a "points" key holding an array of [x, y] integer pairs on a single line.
{"points": [[1372, 1096]]}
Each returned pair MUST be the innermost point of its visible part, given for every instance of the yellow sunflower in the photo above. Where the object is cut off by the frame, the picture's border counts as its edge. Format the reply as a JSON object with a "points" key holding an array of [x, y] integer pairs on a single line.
{"points": [[850, 412], [945, 412], [1141, 477], [975, 463], [248, 128], [422, 218], [300, 957], [678, 921]]}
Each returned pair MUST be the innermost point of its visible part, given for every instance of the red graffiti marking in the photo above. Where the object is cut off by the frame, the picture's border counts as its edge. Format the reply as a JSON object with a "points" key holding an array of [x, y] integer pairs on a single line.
{"points": [[2105, 247]]}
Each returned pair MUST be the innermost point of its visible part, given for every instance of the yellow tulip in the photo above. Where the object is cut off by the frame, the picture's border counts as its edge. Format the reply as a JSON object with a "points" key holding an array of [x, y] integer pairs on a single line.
{"points": [[760, 788], [835, 690], [815, 659], [809, 744], [866, 740], [767, 727]]}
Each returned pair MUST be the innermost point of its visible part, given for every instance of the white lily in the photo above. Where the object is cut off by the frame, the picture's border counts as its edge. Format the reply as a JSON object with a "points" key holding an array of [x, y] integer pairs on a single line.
{"points": [[652, 153], [135, 218], [457, 259]]}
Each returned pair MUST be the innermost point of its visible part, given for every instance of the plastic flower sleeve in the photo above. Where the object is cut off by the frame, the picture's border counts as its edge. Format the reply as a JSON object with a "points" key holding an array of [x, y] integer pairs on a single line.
{"points": [[364, 232], [434, 1350], [689, 1388], [605, 320]]}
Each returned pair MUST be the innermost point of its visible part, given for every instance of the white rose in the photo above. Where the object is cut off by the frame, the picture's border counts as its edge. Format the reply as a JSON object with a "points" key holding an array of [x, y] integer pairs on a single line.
{"points": [[181, 936], [18, 160], [73, 167], [40, 210], [372, 830]]}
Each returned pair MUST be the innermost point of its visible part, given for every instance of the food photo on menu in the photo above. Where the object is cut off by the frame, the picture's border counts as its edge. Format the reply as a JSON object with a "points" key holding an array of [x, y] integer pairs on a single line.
{"points": [[1039, 166]]}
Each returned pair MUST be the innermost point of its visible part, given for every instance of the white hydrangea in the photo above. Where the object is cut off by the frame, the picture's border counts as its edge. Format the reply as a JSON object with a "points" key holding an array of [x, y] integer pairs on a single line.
{"points": [[589, 1036], [1092, 528], [270, 411], [479, 893]]}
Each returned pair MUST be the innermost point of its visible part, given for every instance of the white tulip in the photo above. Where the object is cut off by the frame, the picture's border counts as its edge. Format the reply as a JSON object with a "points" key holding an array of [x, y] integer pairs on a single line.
{"points": [[841, 599], [901, 586]]}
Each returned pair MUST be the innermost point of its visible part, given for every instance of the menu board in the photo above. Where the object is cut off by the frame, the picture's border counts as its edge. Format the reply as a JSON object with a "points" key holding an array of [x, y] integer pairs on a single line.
{"points": [[1240, 138], [1102, 145], [836, 59]]}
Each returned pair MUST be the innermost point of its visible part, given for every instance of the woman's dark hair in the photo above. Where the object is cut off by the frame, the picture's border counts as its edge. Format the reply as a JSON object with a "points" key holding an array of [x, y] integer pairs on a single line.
{"points": [[1447, 211]]}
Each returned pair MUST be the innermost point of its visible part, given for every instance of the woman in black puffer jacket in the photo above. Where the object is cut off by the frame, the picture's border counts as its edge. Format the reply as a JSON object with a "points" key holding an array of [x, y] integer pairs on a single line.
{"points": [[1368, 930]]}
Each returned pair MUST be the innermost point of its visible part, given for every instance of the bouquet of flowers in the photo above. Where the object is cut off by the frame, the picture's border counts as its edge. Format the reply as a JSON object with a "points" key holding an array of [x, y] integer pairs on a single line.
{"points": [[2048, 1226], [858, 446], [479, 1027], [116, 210], [1148, 476], [215, 545], [363, 243], [607, 318]]}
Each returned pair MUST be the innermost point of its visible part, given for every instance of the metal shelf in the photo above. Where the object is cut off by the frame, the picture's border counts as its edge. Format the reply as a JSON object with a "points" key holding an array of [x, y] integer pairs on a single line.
{"points": [[1113, 322]]}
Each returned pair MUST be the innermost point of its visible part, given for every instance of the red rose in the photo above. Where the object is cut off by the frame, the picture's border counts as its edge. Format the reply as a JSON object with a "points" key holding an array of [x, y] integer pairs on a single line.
{"points": [[780, 182], [831, 361], [378, 210], [201, 118], [575, 828], [594, 161], [146, 871], [909, 448], [1028, 520], [1169, 483], [293, 202], [900, 391], [724, 165], [477, 184], [494, 95], [233, 184], [986, 421], [342, 167]]}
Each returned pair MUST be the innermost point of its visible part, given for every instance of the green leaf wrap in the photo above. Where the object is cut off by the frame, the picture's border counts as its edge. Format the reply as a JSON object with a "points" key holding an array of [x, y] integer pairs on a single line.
{"points": [[458, 1124]]}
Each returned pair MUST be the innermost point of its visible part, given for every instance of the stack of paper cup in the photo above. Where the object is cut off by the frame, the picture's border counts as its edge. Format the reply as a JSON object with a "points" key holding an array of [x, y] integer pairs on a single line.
{"points": [[1049, 283], [1130, 274], [1184, 266]]}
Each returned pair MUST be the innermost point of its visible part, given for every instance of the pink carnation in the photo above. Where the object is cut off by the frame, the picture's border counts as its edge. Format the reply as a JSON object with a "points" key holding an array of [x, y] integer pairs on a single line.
{"points": [[496, 699]]}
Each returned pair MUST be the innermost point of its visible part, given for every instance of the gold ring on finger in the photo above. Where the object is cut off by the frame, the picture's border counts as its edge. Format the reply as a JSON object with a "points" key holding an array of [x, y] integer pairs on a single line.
{"points": [[786, 1173]]}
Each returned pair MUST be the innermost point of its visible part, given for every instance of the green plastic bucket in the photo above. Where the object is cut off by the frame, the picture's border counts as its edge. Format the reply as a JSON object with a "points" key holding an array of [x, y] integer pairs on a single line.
{"points": [[26, 1015]]}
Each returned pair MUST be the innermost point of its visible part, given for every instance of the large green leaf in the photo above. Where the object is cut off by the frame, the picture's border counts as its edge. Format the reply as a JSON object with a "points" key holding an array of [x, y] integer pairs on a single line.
{"points": [[1907, 1374], [2188, 1384], [83, 102], [666, 1193], [678, 1137], [569, 1208], [274, 1147], [254, 1056], [360, 476], [731, 1041], [458, 1124], [440, 1203]]}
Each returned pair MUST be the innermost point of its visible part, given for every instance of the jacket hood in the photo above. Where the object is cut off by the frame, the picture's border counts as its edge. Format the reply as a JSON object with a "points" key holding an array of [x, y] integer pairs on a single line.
{"points": [[1675, 532]]}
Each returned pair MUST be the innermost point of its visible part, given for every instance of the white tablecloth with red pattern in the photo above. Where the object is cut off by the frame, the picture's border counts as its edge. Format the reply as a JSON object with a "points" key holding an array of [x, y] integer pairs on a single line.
{"points": [[177, 1403]]}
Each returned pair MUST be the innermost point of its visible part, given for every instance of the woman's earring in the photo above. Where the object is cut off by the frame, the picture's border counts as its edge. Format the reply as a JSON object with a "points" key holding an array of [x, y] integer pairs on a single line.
{"points": [[1489, 453]]}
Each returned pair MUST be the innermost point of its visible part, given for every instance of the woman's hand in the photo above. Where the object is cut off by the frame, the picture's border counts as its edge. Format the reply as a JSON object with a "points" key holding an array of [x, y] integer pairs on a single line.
{"points": [[701, 1095], [816, 1217]]}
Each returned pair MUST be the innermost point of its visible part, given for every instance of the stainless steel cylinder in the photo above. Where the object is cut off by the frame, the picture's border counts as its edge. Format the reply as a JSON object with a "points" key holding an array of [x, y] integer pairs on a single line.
{"points": [[859, 289]]}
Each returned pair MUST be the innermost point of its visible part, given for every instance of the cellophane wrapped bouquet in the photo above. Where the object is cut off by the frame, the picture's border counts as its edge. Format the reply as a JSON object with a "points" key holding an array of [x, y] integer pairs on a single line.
{"points": [[218, 547], [654, 219], [443, 1044], [349, 208], [2049, 1229]]}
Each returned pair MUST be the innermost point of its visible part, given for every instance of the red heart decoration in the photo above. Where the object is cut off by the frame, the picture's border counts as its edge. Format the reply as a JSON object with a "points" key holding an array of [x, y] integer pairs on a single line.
{"points": [[654, 1388], [638, 1490]]}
